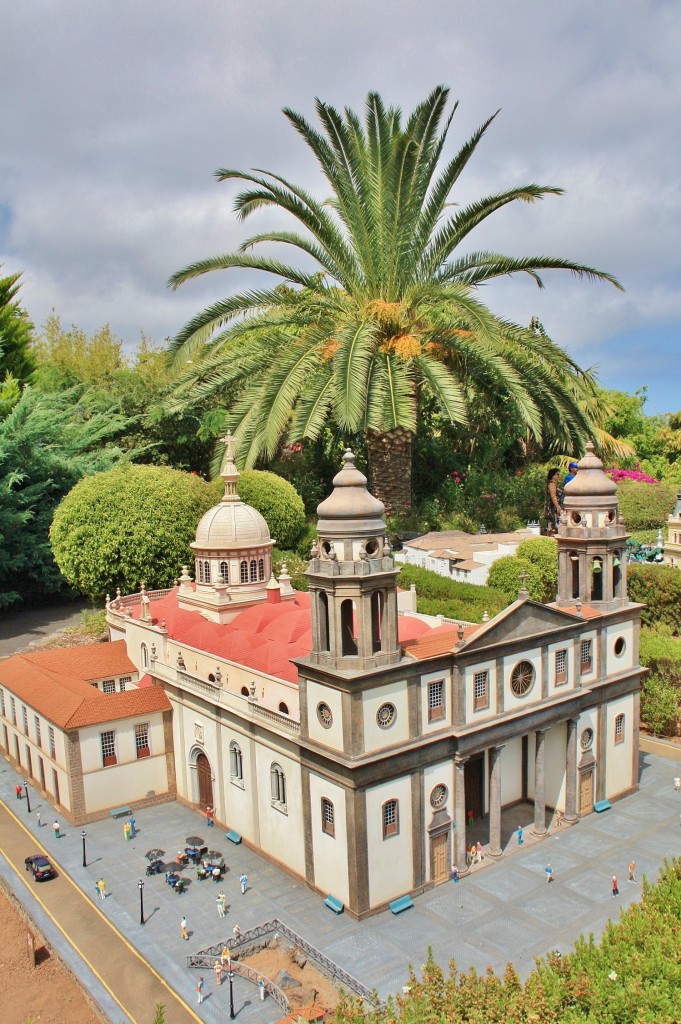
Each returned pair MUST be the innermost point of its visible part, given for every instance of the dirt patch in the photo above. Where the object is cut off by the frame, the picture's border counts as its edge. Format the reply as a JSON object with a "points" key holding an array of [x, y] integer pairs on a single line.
{"points": [[45, 994], [314, 987]]}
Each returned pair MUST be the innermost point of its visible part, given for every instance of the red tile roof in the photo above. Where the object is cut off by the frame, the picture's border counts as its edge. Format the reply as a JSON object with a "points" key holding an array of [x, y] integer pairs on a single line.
{"points": [[57, 684], [439, 641], [264, 637]]}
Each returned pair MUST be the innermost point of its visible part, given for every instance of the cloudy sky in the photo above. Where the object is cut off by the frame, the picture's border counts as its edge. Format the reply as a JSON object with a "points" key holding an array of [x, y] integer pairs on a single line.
{"points": [[114, 117]]}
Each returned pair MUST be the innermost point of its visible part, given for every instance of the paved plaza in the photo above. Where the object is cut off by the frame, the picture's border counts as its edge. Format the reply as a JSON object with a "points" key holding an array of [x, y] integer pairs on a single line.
{"points": [[504, 911]]}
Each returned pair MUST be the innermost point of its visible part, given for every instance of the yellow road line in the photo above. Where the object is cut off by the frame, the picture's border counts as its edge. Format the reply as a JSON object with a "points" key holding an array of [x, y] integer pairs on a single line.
{"points": [[64, 874]]}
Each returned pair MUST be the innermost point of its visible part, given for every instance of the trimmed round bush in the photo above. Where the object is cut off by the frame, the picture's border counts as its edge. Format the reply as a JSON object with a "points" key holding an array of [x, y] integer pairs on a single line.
{"points": [[542, 552], [128, 526], [277, 501], [505, 573]]}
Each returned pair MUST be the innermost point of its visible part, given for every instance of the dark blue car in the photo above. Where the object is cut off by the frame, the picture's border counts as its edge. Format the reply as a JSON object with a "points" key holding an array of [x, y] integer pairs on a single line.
{"points": [[41, 867]]}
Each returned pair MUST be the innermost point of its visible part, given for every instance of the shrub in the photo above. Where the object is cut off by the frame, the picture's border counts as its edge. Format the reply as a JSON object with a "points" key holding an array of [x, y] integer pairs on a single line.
{"points": [[437, 595], [660, 700], [276, 500], [645, 506], [295, 566], [505, 573], [128, 526], [659, 588], [543, 552], [658, 647]]}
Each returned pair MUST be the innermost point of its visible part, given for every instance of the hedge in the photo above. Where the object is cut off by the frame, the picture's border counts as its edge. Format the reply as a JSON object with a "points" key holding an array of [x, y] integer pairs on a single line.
{"points": [[437, 595], [659, 588]]}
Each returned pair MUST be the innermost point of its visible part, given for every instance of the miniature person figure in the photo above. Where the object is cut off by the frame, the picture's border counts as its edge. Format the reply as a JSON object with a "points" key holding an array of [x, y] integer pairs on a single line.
{"points": [[615, 890], [55, 829], [559, 819], [18, 791], [210, 817], [226, 957], [217, 967], [220, 904], [549, 873], [236, 932], [199, 989], [478, 852], [133, 827], [261, 987], [183, 929], [101, 885], [632, 871], [520, 836], [243, 880], [677, 784], [470, 816], [40, 824], [455, 874]]}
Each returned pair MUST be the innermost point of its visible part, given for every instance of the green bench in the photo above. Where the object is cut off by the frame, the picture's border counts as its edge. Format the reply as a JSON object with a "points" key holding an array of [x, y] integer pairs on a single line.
{"points": [[403, 903], [233, 837], [120, 812], [602, 805], [334, 904]]}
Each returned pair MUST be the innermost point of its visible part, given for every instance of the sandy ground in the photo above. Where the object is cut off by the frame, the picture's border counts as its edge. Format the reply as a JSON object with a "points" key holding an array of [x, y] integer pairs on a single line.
{"points": [[45, 994], [315, 987]]}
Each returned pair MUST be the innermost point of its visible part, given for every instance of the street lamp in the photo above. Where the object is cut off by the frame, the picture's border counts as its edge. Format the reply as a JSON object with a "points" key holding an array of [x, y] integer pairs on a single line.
{"points": [[28, 802], [140, 885], [230, 975], [82, 836]]}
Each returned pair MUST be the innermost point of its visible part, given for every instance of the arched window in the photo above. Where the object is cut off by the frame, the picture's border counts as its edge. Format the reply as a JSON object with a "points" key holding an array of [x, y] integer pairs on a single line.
{"points": [[236, 763], [261, 569], [145, 656], [224, 572], [199, 571], [323, 622], [349, 638], [391, 818], [243, 572], [206, 571], [283, 708], [376, 620], [597, 579], [574, 562], [328, 820], [278, 784], [254, 571]]}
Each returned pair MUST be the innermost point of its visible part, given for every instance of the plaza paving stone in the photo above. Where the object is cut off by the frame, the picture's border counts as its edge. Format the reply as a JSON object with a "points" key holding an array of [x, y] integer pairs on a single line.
{"points": [[503, 911]]}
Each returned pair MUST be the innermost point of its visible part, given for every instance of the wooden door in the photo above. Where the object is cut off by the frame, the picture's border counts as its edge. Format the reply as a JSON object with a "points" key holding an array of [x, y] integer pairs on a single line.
{"points": [[205, 781], [586, 791], [438, 858]]}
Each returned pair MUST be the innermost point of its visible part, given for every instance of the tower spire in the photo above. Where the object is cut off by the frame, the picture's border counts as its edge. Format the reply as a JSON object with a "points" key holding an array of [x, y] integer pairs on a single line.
{"points": [[230, 474]]}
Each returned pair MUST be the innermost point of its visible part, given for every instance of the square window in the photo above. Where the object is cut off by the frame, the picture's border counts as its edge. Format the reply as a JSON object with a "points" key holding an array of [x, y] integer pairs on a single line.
{"points": [[480, 690], [561, 667], [123, 683], [109, 686], [436, 701]]}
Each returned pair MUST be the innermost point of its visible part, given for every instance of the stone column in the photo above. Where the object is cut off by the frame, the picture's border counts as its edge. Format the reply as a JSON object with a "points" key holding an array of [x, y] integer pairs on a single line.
{"points": [[460, 813], [539, 828], [495, 802], [571, 771]]}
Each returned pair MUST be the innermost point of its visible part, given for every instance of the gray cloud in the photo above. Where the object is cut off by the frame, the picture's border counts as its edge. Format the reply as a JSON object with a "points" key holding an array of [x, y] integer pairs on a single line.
{"points": [[118, 115]]}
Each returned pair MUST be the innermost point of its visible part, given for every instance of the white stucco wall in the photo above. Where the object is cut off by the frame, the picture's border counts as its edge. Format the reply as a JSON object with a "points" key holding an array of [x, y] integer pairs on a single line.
{"points": [[555, 743], [123, 783], [236, 801], [618, 775], [438, 723], [374, 737], [472, 715], [390, 860], [615, 663], [511, 702], [330, 852], [281, 834], [91, 748], [316, 694], [511, 771]]}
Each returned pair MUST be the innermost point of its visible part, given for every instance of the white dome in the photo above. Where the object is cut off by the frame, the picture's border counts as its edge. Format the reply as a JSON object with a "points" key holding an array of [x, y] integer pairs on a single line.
{"points": [[231, 524]]}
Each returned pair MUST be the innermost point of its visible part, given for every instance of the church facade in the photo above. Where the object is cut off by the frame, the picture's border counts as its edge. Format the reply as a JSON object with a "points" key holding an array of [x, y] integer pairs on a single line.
{"points": [[348, 741]]}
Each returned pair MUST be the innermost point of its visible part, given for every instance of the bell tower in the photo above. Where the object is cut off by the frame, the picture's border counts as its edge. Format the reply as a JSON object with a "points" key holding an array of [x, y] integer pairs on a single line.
{"points": [[352, 576], [592, 561]]}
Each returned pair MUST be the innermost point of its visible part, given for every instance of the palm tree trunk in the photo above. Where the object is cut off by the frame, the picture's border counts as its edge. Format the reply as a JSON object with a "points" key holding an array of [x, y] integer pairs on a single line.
{"points": [[390, 468]]}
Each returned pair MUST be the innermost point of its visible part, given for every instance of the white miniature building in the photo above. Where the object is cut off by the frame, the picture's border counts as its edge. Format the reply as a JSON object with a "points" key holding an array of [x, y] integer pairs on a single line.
{"points": [[465, 557]]}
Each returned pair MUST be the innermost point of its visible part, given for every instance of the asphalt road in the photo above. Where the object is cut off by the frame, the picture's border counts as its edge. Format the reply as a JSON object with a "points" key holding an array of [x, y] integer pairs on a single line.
{"points": [[21, 627]]}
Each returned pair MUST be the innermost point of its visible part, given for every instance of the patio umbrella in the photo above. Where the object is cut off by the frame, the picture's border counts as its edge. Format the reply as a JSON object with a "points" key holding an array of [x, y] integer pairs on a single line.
{"points": [[154, 854], [194, 841]]}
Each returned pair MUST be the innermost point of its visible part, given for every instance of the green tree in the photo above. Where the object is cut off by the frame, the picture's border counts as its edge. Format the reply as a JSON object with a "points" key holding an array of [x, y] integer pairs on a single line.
{"points": [[277, 501], [47, 443], [388, 310], [505, 575], [128, 526], [16, 331], [543, 552], [660, 700]]}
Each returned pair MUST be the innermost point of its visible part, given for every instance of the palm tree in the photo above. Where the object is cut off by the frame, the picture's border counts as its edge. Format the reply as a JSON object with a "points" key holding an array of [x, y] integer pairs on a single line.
{"points": [[388, 309]]}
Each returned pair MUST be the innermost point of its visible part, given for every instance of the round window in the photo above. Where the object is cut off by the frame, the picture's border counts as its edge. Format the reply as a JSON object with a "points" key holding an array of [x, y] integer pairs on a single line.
{"points": [[575, 519], [438, 796], [325, 715], [385, 716], [586, 739], [371, 547], [620, 646], [522, 678]]}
